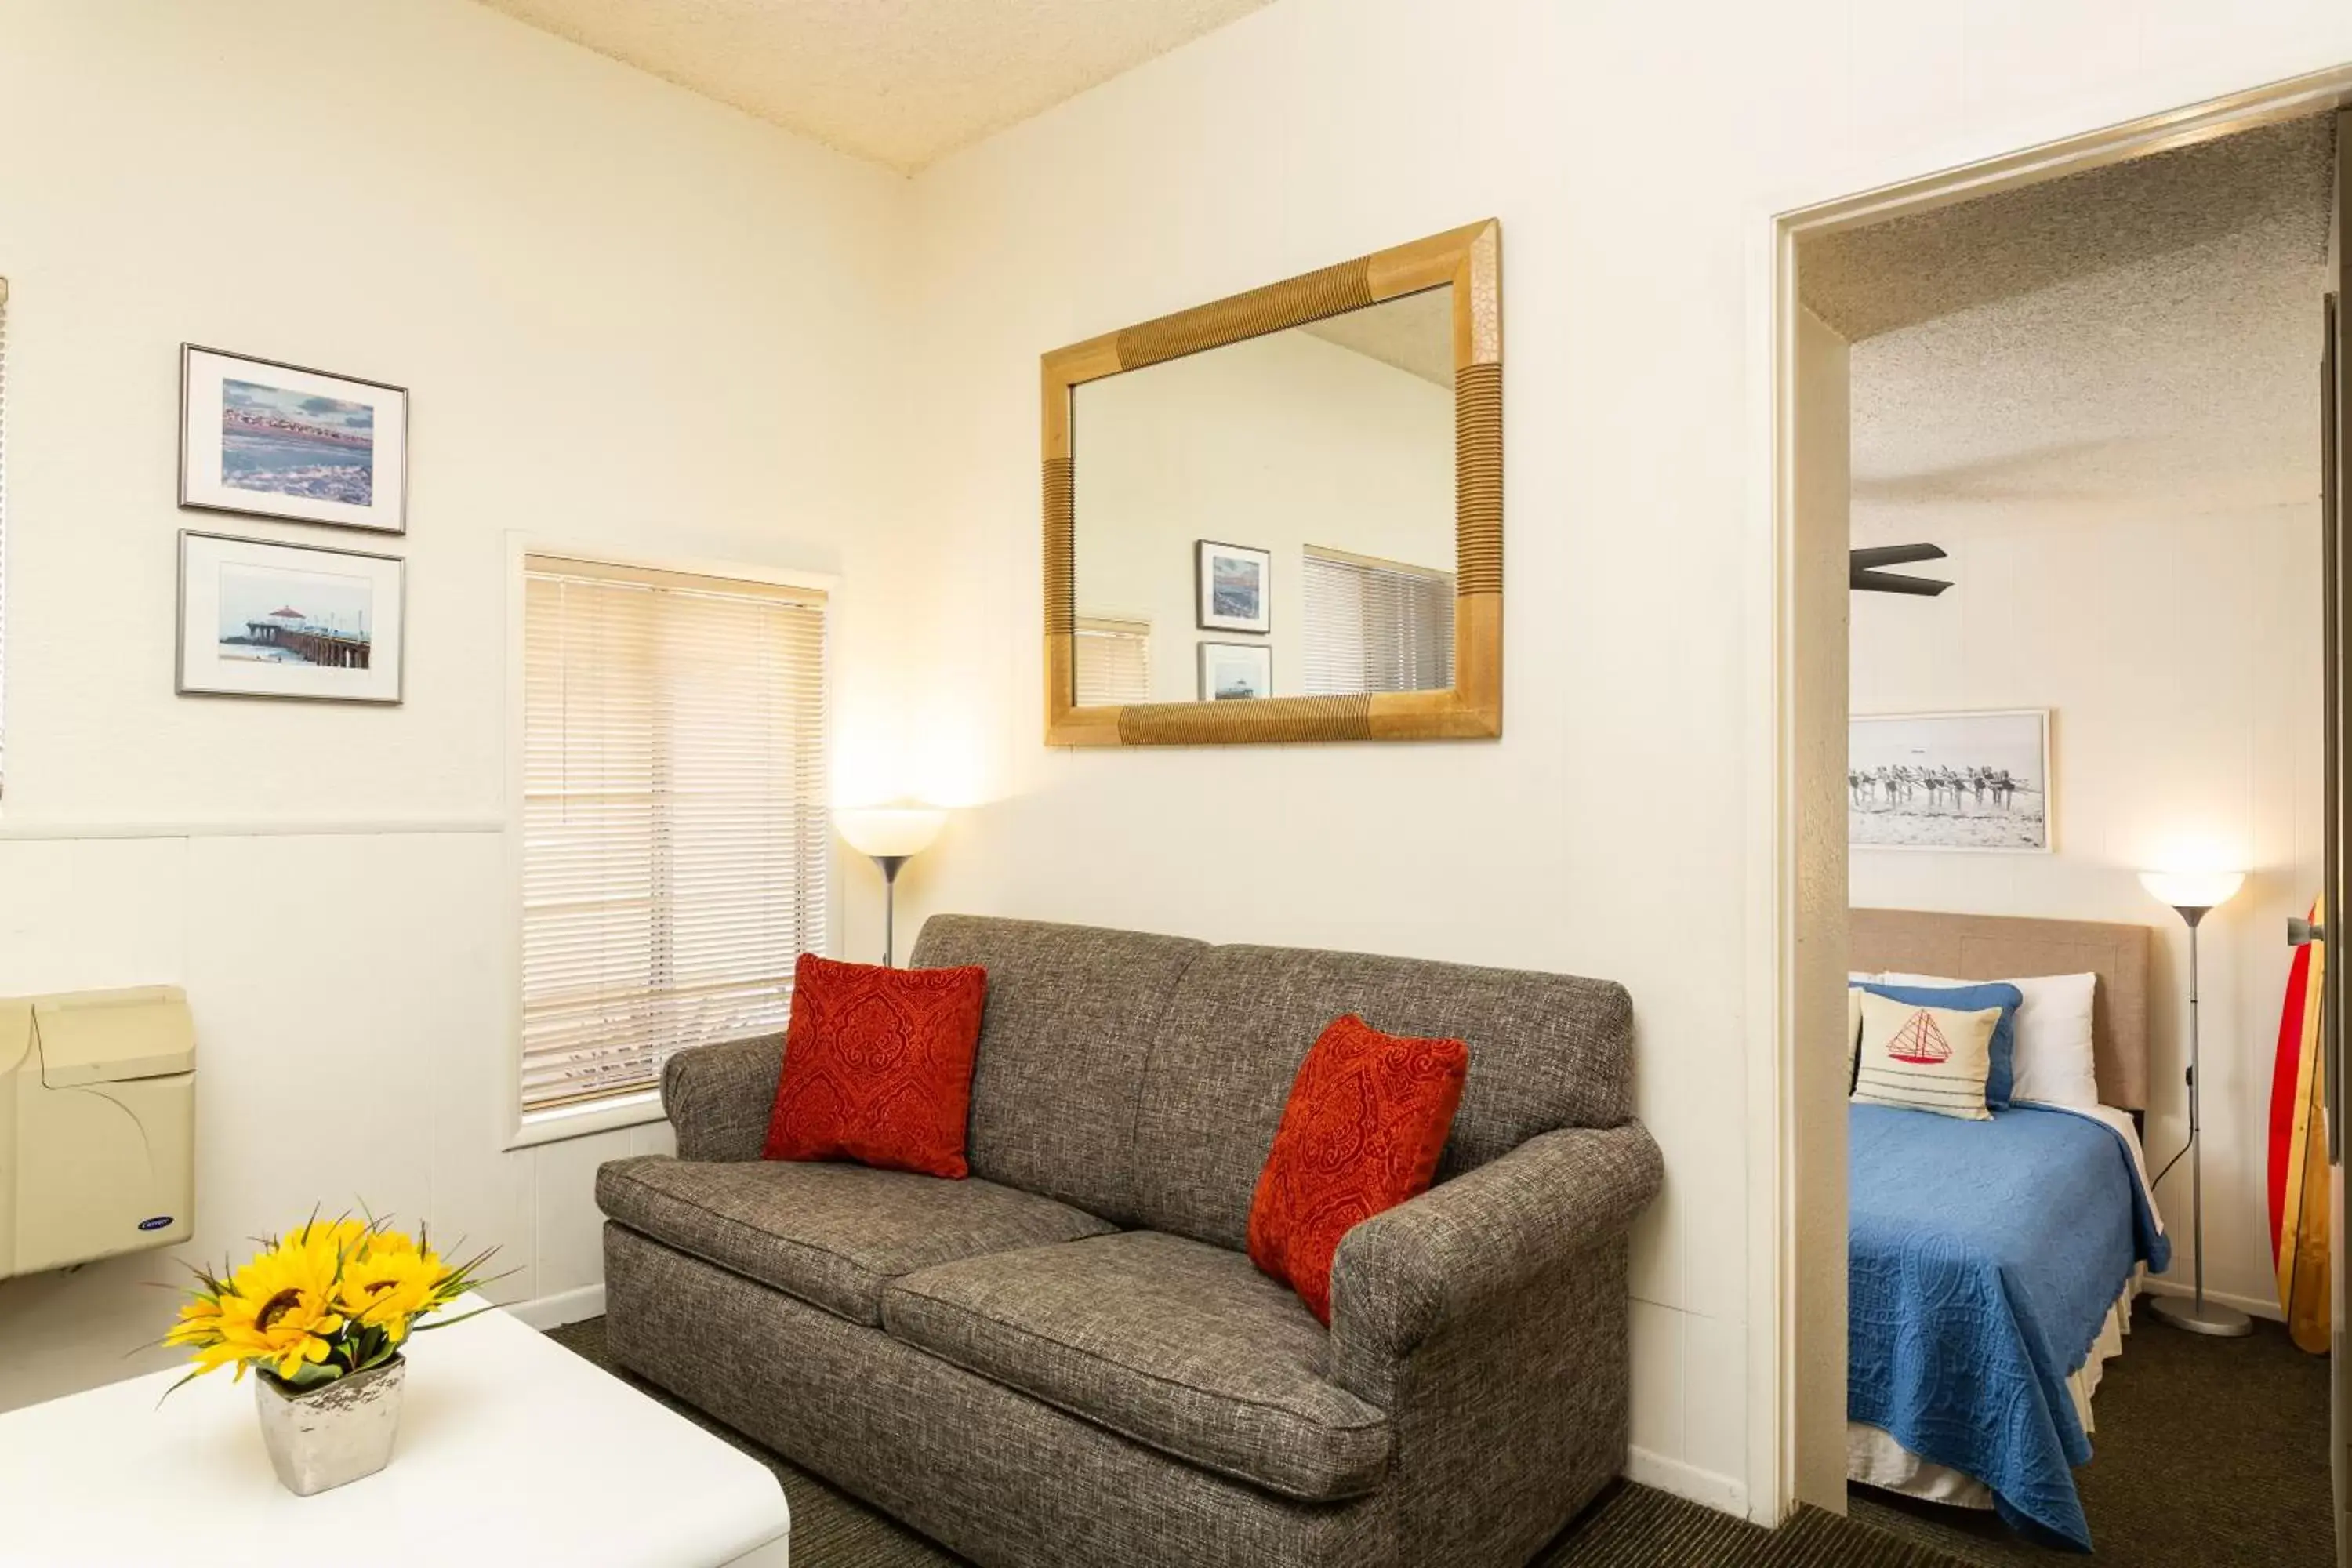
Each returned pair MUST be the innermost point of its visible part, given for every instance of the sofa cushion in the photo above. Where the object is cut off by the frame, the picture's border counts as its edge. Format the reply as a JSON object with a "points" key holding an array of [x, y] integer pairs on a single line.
{"points": [[1546, 1051], [833, 1234], [878, 1065], [1179, 1345], [1365, 1124], [1072, 1013]]}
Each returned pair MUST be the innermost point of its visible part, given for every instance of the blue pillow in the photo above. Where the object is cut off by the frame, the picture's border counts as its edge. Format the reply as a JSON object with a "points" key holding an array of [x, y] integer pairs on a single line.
{"points": [[1973, 999]]}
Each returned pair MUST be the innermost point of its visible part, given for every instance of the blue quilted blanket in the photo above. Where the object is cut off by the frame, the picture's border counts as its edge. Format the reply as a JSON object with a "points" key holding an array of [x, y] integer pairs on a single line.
{"points": [[1984, 1258]]}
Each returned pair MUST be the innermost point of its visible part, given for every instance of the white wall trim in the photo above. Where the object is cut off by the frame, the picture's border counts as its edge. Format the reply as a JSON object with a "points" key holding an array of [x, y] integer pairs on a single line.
{"points": [[545, 1312], [1725, 1494], [321, 827]]}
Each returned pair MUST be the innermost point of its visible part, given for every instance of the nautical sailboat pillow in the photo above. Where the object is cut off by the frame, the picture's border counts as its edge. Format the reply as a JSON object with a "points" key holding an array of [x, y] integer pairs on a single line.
{"points": [[1924, 1058]]}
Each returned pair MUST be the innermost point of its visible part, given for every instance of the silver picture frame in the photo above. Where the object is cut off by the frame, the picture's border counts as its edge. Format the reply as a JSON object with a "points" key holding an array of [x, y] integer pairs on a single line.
{"points": [[301, 674], [309, 491]]}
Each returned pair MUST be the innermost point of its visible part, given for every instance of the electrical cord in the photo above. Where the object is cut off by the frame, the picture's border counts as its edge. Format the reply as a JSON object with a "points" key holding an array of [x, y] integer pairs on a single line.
{"points": [[2157, 1178]]}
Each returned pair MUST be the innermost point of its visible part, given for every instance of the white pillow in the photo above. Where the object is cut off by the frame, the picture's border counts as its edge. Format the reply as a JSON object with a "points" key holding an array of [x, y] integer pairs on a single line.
{"points": [[1924, 1058], [2055, 1062]]}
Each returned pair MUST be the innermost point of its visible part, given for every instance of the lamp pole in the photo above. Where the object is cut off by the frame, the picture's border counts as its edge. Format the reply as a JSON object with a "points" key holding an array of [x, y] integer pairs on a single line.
{"points": [[889, 864], [2196, 1314]]}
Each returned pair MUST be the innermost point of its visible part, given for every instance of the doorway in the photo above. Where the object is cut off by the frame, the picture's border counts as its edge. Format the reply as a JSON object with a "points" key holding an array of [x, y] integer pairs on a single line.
{"points": [[1813, 879]]}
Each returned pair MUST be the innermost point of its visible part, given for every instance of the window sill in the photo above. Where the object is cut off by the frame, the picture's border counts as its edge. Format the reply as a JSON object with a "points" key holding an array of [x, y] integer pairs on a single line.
{"points": [[585, 1121]]}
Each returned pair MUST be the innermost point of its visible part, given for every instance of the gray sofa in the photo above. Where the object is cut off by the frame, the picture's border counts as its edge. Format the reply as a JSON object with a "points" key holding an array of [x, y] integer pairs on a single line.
{"points": [[1068, 1358]]}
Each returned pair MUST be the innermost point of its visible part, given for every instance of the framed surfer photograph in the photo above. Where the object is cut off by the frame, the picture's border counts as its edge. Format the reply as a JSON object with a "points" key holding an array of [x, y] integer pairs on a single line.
{"points": [[277, 440], [1236, 671], [1949, 781], [260, 619], [1235, 585]]}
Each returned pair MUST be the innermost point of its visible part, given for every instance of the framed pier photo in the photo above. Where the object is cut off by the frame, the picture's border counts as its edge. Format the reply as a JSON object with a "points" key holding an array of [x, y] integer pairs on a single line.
{"points": [[258, 619], [277, 441]]}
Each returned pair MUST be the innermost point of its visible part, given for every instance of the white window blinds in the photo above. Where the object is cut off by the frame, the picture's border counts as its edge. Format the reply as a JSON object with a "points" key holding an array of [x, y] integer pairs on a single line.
{"points": [[674, 819], [1376, 626], [1113, 660]]}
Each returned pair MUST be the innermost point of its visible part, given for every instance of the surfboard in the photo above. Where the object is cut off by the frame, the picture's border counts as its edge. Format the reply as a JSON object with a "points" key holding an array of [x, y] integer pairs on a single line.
{"points": [[2298, 1162]]}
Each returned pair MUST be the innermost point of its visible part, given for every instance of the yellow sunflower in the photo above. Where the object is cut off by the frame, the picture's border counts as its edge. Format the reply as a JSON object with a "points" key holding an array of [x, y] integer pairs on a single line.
{"points": [[280, 1311], [388, 1281], [199, 1328]]}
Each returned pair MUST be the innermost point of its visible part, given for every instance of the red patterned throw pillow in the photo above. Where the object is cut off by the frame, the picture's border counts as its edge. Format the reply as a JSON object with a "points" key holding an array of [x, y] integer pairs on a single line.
{"points": [[878, 1065], [1366, 1119]]}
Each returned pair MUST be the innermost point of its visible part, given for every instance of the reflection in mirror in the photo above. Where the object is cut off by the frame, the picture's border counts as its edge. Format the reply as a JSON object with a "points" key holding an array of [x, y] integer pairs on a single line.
{"points": [[1272, 517]]}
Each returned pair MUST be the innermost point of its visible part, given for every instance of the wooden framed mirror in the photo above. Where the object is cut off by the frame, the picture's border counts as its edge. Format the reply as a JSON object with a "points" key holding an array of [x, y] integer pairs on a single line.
{"points": [[1279, 516]]}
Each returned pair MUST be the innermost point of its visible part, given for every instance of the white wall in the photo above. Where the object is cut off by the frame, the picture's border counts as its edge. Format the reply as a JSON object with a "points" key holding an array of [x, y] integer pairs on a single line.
{"points": [[626, 317], [2179, 651], [1633, 154], [1277, 443]]}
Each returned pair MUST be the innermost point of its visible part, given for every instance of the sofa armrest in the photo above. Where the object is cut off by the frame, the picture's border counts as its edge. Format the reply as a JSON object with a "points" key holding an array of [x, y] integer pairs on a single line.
{"points": [[719, 1098], [1479, 1239]]}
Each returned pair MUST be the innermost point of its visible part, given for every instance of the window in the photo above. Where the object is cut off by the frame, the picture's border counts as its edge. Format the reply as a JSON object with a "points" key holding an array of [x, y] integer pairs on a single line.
{"points": [[674, 827], [1376, 626], [1113, 659]]}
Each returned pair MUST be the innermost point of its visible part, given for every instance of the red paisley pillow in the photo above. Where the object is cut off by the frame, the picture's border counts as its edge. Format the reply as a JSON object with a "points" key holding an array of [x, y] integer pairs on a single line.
{"points": [[1366, 1119], [878, 1065]]}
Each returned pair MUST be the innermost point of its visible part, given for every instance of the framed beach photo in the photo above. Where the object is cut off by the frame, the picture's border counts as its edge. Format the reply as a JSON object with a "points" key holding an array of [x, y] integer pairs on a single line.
{"points": [[277, 440], [1949, 781], [258, 619], [1235, 585], [1236, 671]]}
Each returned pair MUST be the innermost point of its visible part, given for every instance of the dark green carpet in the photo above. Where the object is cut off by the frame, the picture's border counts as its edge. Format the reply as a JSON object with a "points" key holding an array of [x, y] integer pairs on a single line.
{"points": [[2208, 1452], [1628, 1527]]}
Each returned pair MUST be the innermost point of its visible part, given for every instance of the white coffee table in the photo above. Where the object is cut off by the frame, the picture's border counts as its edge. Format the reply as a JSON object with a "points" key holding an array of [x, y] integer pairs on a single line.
{"points": [[512, 1451]]}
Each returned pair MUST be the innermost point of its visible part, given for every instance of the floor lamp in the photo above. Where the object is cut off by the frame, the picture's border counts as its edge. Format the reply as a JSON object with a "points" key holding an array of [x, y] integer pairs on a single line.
{"points": [[2193, 894], [890, 836]]}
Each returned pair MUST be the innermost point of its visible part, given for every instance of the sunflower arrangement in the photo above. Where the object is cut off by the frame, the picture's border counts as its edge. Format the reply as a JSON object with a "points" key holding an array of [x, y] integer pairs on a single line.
{"points": [[323, 1301]]}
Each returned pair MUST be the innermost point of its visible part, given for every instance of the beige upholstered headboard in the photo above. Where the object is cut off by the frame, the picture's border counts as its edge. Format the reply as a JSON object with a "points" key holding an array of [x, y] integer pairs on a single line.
{"points": [[1999, 947]]}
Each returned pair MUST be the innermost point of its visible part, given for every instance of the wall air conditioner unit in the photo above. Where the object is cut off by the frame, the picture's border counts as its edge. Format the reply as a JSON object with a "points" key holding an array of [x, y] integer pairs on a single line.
{"points": [[98, 1093]]}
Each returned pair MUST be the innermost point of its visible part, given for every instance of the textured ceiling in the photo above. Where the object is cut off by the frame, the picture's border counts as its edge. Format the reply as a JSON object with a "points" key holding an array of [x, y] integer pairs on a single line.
{"points": [[2143, 334], [1865, 281], [899, 81]]}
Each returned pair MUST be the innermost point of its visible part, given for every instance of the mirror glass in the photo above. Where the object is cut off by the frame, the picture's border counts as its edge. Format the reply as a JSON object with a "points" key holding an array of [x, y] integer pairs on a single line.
{"points": [[1273, 517]]}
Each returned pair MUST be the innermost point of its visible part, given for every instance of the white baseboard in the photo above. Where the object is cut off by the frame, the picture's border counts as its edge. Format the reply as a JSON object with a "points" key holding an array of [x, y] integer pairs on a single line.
{"points": [[545, 1312], [1725, 1494], [2252, 1306]]}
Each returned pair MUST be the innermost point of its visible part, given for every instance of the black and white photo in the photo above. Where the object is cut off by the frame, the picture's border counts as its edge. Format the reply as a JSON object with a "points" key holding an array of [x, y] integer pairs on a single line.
{"points": [[1949, 781]]}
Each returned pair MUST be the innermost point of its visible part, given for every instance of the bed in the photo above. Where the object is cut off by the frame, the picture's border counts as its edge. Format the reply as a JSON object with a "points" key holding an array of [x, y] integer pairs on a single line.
{"points": [[1991, 1265]]}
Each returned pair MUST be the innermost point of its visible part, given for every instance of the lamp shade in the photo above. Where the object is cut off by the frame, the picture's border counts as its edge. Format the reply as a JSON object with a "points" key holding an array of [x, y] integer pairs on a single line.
{"points": [[2193, 889], [890, 830]]}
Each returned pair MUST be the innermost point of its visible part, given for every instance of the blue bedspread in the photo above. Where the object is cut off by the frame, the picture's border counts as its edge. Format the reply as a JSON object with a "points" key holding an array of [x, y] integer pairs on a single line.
{"points": [[1984, 1257]]}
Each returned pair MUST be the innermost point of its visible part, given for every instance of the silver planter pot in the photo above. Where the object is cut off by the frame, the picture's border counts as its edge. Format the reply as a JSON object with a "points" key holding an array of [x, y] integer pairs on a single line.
{"points": [[321, 1438]]}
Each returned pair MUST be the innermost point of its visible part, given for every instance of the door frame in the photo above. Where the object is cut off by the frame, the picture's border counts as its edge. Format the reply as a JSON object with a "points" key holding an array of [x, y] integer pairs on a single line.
{"points": [[1788, 1440]]}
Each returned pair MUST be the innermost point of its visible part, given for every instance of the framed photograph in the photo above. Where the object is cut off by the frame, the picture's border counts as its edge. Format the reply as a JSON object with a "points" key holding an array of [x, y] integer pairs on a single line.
{"points": [[277, 440], [1949, 781], [258, 619], [1236, 671], [1237, 587]]}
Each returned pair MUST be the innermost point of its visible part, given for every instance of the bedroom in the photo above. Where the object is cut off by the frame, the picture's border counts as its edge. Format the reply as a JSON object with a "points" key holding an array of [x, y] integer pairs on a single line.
{"points": [[2094, 396]]}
